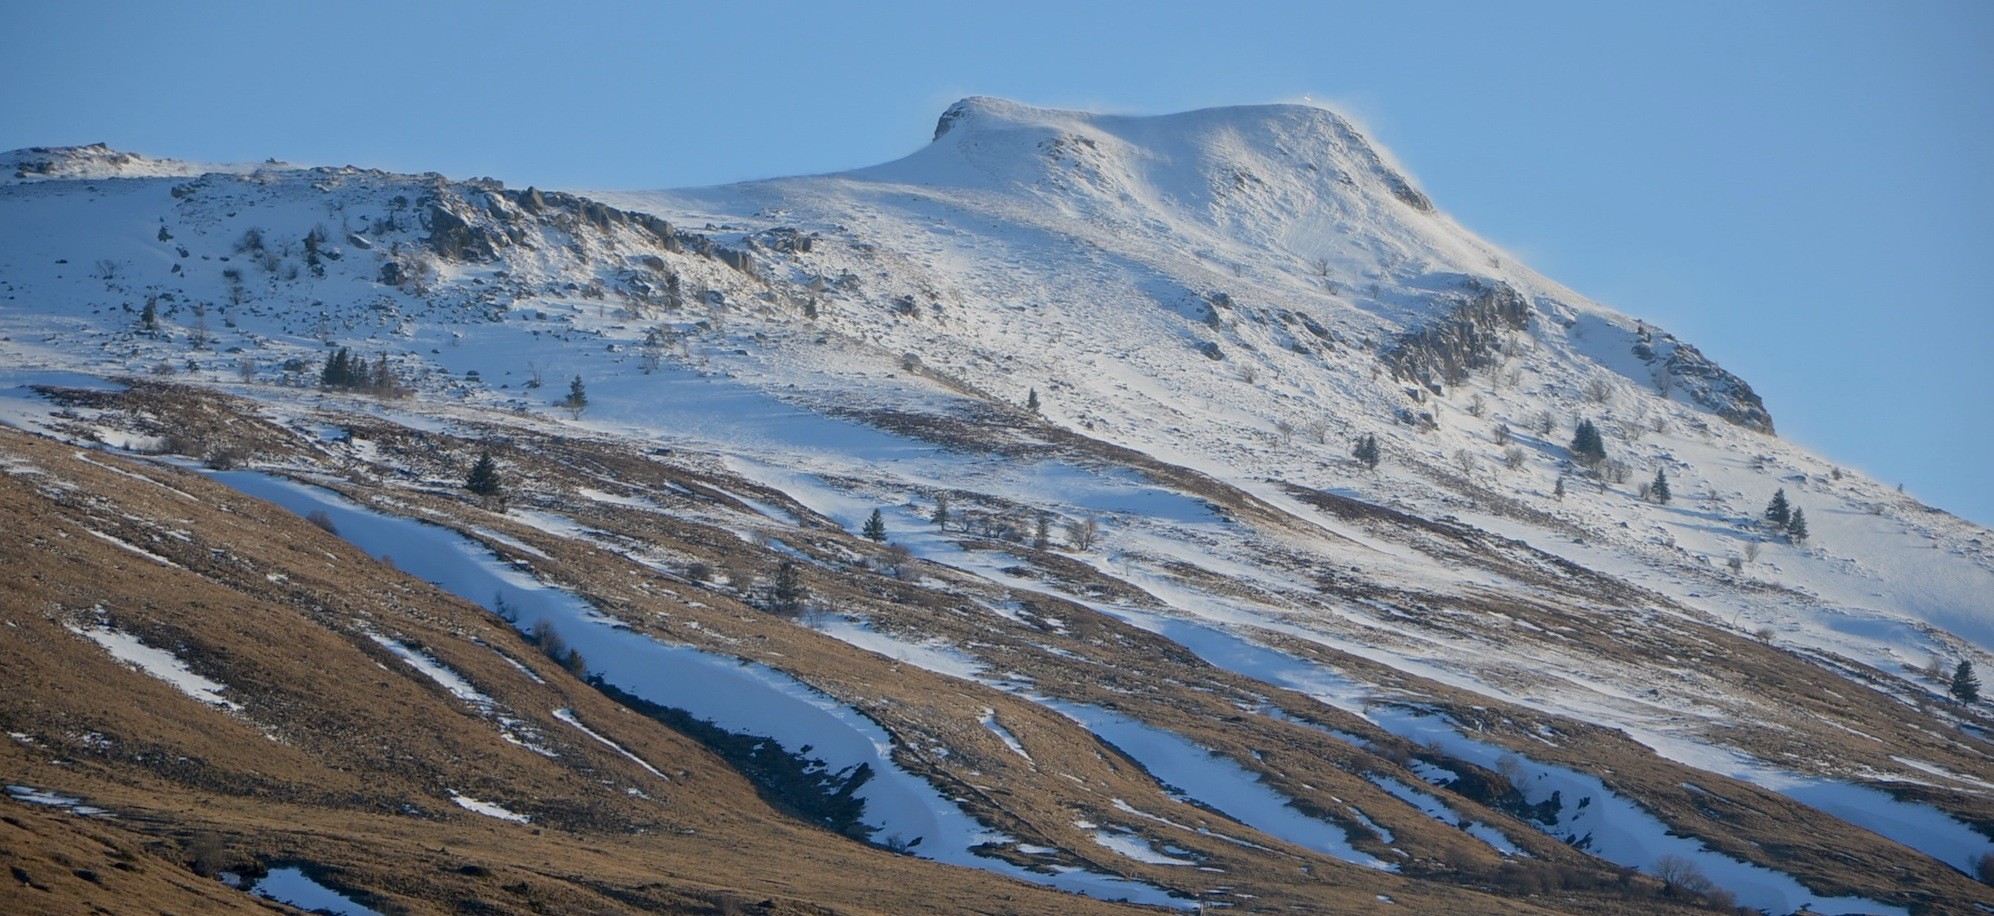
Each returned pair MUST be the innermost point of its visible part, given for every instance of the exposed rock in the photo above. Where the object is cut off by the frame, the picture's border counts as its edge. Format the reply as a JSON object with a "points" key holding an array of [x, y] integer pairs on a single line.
{"points": [[453, 236], [1466, 339], [1709, 385], [949, 118], [1404, 191], [739, 260]]}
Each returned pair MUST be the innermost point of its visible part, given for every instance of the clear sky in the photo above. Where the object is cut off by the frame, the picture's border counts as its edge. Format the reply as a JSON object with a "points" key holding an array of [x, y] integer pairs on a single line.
{"points": [[1802, 190]]}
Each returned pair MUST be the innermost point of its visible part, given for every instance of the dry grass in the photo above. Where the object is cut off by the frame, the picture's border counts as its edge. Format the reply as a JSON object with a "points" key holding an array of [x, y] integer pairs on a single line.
{"points": [[355, 743]]}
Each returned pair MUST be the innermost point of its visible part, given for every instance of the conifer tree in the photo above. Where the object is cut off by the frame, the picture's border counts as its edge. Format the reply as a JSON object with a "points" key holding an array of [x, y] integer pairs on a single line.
{"points": [[149, 319], [1660, 488], [1558, 489], [1032, 400], [1965, 685], [1796, 527], [1042, 531], [941, 514], [382, 380], [339, 370], [485, 480], [788, 590], [1778, 512], [1588, 449], [1366, 450], [577, 399], [875, 527]]}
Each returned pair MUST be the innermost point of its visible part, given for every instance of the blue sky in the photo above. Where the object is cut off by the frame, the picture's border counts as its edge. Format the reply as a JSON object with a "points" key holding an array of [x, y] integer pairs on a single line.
{"points": [[1800, 189]]}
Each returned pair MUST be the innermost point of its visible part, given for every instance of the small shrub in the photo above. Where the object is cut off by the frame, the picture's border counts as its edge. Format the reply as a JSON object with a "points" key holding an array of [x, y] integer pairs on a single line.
{"points": [[1680, 875], [324, 521]]}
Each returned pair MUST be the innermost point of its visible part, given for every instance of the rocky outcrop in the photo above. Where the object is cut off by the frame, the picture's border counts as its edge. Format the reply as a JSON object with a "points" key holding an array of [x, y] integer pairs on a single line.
{"points": [[1467, 338], [1686, 371], [1404, 191], [473, 221]]}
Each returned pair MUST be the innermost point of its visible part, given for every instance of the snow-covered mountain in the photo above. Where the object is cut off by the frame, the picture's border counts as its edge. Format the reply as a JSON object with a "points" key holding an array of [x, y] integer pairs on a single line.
{"points": [[1127, 360]]}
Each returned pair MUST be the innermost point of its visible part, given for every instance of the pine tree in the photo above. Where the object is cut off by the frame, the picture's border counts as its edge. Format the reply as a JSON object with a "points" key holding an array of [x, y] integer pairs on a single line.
{"points": [[1660, 488], [875, 527], [149, 319], [1366, 450], [1965, 685], [1042, 531], [1778, 512], [312, 240], [339, 370], [1558, 489], [941, 514], [577, 399], [1796, 527], [788, 590], [1032, 400], [382, 380], [1588, 449], [485, 480]]}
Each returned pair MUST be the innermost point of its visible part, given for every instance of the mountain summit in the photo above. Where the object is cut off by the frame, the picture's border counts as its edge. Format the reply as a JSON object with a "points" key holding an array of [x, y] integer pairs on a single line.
{"points": [[1197, 158], [1224, 209]]}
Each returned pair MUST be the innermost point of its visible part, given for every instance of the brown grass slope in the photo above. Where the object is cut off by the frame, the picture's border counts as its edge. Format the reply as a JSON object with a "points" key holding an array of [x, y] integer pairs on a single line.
{"points": [[342, 756], [679, 571]]}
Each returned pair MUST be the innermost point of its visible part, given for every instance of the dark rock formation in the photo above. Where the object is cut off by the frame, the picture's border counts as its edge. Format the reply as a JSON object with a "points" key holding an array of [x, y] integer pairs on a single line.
{"points": [[1707, 384], [1467, 338]]}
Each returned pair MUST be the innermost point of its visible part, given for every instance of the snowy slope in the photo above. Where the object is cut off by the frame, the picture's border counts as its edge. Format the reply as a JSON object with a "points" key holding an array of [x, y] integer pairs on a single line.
{"points": [[1081, 255], [1210, 309]]}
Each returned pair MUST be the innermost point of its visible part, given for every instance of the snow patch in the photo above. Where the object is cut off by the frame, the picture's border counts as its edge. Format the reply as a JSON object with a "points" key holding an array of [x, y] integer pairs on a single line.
{"points": [[159, 663], [488, 809]]}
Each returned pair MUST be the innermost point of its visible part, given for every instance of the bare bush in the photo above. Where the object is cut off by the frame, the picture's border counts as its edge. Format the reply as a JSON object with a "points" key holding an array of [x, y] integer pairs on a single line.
{"points": [[1083, 534], [1598, 390], [324, 521], [1680, 875], [1513, 457]]}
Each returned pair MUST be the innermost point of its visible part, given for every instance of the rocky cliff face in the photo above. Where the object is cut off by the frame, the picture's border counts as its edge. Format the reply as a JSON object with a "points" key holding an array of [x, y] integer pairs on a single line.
{"points": [[1467, 337]]}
